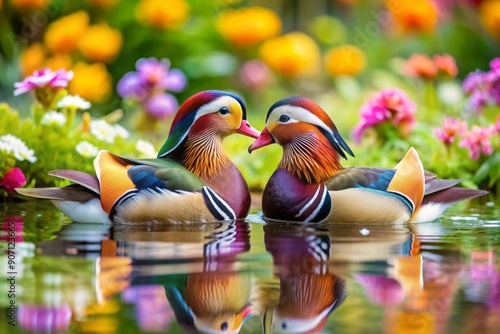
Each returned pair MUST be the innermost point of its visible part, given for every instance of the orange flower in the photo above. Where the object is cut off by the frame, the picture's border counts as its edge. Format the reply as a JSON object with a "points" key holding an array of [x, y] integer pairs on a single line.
{"points": [[489, 11], [420, 65], [344, 60], [446, 65], [64, 34], [29, 4], [91, 81], [414, 15], [57, 61], [248, 26], [163, 14], [100, 43], [32, 58], [291, 55]]}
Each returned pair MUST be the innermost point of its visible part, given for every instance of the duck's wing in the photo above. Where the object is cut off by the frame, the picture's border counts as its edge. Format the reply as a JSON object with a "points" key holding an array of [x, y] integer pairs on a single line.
{"points": [[361, 177], [120, 177]]}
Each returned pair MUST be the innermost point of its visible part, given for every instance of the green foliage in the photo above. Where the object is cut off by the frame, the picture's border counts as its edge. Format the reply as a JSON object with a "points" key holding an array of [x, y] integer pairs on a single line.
{"points": [[54, 147]]}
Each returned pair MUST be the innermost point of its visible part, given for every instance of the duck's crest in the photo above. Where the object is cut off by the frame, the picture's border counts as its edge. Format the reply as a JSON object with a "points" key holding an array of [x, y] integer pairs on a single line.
{"points": [[187, 115]]}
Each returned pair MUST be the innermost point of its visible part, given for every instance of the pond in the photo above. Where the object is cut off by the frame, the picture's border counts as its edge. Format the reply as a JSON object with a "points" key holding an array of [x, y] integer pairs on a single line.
{"points": [[249, 276]]}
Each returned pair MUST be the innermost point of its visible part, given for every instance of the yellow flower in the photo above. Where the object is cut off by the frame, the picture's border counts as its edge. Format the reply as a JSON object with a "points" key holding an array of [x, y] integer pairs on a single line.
{"points": [[291, 55], [29, 4], [248, 26], [414, 15], [64, 34], [100, 43], [32, 58], [489, 11], [91, 81], [59, 60], [344, 60], [163, 14]]}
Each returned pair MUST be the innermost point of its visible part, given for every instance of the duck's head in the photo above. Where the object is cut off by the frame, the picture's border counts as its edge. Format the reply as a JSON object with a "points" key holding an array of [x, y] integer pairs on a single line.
{"points": [[223, 323], [208, 114], [312, 145]]}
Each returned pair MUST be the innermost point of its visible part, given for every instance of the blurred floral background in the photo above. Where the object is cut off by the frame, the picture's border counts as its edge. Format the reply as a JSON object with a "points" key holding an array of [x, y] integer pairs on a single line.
{"points": [[83, 75]]}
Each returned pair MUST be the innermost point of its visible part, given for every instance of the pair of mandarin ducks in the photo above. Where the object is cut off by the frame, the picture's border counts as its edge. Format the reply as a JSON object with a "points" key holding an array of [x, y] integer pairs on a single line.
{"points": [[192, 178]]}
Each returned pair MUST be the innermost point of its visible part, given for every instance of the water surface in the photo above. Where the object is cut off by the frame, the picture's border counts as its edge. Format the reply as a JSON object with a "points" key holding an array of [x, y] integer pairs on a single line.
{"points": [[249, 276]]}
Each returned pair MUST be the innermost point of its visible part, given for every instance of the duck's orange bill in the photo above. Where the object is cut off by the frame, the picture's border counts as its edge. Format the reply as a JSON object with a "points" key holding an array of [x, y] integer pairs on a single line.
{"points": [[247, 130], [263, 140]]}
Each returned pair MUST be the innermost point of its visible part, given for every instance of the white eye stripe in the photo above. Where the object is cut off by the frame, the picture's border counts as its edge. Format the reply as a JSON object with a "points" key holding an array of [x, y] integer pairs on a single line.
{"points": [[215, 105], [298, 114]]}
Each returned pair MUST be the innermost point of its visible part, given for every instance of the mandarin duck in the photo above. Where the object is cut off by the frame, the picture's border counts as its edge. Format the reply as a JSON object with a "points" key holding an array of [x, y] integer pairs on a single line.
{"points": [[187, 181], [212, 302], [310, 184], [309, 293]]}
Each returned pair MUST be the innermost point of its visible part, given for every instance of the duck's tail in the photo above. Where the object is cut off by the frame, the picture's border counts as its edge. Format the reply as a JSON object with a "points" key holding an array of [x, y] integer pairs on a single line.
{"points": [[79, 201], [428, 196], [435, 203], [409, 179]]}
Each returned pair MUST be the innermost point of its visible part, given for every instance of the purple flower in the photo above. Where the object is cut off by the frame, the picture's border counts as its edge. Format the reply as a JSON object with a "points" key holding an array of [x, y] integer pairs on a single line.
{"points": [[152, 76], [483, 88], [175, 81], [42, 78], [473, 82], [390, 105], [160, 106], [130, 85]]}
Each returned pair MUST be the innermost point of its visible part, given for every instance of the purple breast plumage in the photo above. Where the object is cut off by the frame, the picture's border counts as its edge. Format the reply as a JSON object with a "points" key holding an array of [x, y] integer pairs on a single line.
{"points": [[287, 197]]}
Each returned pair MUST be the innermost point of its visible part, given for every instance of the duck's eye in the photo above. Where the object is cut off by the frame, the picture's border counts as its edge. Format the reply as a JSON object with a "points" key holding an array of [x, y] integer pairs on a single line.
{"points": [[224, 111], [283, 325], [224, 326], [284, 118]]}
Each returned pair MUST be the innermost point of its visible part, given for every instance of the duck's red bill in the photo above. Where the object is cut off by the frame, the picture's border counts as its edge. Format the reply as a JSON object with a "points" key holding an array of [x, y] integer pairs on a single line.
{"points": [[263, 140], [247, 130]]}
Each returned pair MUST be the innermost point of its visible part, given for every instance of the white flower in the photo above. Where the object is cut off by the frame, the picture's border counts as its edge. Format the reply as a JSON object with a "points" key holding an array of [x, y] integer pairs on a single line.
{"points": [[86, 149], [146, 148], [450, 93], [53, 118], [14, 145], [121, 131], [74, 101], [102, 130]]}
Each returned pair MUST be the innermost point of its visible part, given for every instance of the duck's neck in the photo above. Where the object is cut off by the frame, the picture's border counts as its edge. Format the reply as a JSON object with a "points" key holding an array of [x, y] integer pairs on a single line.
{"points": [[310, 158], [204, 156]]}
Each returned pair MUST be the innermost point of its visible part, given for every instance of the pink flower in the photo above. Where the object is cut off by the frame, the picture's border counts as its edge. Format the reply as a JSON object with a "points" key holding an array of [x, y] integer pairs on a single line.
{"points": [[495, 64], [390, 105], [497, 125], [452, 127], [42, 78], [255, 74], [478, 141], [13, 179], [446, 65]]}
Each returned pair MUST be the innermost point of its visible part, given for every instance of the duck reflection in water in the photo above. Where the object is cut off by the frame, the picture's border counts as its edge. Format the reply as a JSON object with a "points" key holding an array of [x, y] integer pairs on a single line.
{"points": [[417, 291], [308, 293], [198, 267]]}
